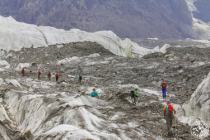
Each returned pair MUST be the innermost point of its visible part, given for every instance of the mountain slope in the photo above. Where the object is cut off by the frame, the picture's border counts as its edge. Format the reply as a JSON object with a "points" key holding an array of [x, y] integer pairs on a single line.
{"points": [[203, 9], [201, 20], [128, 18]]}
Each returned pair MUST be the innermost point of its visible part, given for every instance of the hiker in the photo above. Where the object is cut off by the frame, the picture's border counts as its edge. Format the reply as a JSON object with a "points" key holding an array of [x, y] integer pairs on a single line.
{"points": [[39, 74], [134, 95], [49, 75], [23, 71], [169, 116], [57, 76], [94, 93], [80, 79], [79, 71], [164, 89]]}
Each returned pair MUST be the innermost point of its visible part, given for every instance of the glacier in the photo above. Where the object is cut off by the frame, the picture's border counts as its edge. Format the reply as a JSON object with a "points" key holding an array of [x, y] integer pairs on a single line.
{"points": [[16, 35]]}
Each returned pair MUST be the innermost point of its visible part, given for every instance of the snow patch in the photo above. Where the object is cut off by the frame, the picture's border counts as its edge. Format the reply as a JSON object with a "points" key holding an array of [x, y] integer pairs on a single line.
{"points": [[151, 92], [164, 48], [191, 6], [70, 132], [94, 55], [71, 60], [4, 65], [14, 82], [197, 64]]}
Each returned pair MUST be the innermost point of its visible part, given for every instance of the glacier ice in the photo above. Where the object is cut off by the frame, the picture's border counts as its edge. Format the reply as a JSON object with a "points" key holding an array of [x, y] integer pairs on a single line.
{"points": [[15, 35]]}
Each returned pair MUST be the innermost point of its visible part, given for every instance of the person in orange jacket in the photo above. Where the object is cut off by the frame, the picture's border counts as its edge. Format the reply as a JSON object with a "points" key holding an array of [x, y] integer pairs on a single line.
{"points": [[164, 89]]}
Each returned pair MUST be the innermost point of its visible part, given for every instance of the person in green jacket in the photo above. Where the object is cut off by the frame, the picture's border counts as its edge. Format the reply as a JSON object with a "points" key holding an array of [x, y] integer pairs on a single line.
{"points": [[134, 95]]}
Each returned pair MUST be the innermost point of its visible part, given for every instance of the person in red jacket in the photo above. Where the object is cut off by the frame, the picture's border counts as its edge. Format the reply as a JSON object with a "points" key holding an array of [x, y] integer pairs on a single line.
{"points": [[49, 75], [57, 75], [169, 112], [39, 74]]}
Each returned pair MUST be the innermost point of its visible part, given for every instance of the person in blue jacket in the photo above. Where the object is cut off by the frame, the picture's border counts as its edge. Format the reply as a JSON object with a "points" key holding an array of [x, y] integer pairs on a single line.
{"points": [[94, 93]]}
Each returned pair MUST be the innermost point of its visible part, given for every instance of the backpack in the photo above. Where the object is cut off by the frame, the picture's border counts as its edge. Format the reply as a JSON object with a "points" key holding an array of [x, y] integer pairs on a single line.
{"points": [[168, 110], [132, 94], [94, 94], [136, 94]]}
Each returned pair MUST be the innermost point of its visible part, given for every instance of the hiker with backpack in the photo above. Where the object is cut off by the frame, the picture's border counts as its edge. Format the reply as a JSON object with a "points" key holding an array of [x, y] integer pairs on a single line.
{"points": [[164, 89], [134, 95], [169, 113]]}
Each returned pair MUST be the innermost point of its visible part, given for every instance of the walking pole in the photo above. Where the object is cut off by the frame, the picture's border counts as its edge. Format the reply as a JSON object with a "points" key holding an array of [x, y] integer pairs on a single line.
{"points": [[177, 134], [162, 130], [175, 127]]}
